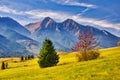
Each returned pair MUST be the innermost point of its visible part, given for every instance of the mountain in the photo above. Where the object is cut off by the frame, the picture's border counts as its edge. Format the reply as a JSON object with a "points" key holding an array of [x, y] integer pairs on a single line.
{"points": [[9, 48], [14, 32], [111, 30], [19, 38], [13, 35], [64, 35], [32, 26], [9, 23]]}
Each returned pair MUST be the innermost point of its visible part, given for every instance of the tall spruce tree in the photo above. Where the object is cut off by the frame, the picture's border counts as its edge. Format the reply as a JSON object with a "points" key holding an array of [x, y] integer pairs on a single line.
{"points": [[48, 56]]}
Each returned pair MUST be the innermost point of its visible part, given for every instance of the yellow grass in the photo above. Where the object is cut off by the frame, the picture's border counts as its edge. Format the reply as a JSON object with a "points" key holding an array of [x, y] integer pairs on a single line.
{"points": [[106, 67]]}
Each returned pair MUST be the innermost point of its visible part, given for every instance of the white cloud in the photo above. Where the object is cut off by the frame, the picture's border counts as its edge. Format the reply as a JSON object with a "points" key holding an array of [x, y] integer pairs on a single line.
{"points": [[82, 12], [9, 10], [74, 3], [60, 16], [101, 23], [46, 13], [63, 16]]}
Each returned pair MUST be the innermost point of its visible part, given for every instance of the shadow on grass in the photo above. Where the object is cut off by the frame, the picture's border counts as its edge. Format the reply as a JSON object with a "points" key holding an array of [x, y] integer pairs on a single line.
{"points": [[18, 66], [65, 63]]}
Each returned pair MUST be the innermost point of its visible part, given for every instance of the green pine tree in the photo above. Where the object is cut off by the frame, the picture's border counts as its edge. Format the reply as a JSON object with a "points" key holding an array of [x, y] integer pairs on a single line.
{"points": [[48, 56]]}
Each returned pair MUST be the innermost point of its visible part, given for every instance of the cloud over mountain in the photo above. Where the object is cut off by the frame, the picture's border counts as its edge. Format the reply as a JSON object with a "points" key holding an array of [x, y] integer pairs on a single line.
{"points": [[85, 12]]}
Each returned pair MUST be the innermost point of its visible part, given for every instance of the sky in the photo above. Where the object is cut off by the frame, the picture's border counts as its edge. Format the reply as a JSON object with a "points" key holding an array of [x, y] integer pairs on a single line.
{"points": [[103, 14]]}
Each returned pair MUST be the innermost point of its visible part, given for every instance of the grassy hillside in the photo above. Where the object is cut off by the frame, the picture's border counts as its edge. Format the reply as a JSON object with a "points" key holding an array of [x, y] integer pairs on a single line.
{"points": [[107, 67]]}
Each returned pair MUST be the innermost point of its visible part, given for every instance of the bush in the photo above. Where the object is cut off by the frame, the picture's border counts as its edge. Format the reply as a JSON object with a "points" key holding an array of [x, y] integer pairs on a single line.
{"points": [[6, 65], [32, 56], [26, 58], [79, 57], [3, 65], [29, 57], [91, 54], [22, 58]]}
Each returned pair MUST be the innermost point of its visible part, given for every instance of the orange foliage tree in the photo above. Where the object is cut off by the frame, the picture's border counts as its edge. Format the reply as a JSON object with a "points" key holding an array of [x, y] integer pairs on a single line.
{"points": [[86, 42]]}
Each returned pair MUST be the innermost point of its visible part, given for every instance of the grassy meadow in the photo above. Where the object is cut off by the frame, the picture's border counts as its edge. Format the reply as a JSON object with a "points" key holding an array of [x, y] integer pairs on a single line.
{"points": [[106, 67]]}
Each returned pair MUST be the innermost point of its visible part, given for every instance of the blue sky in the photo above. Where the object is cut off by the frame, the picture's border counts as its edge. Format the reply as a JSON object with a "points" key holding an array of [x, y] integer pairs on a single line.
{"points": [[98, 13]]}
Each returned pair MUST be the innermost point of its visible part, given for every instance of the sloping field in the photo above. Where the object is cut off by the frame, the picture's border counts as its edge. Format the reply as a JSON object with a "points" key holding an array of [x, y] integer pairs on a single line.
{"points": [[106, 67]]}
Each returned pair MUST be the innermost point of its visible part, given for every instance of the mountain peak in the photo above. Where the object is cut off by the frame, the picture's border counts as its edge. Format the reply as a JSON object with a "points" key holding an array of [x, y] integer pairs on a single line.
{"points": [[33, 26], [9, 23], [6, 18], [47, 19], [69, 20]]}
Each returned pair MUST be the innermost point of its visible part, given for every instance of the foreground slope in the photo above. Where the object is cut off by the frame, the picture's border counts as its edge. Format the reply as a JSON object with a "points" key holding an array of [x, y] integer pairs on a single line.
{"points": [[107, 67]]}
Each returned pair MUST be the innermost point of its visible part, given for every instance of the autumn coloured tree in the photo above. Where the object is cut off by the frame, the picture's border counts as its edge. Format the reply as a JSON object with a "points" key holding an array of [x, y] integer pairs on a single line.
{"points": [[86, 42]]}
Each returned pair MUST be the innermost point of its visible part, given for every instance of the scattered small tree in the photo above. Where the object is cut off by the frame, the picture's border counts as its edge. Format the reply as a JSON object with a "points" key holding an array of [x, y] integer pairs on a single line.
{"points": [[6, 65], [22, 58], [48, 56], [29, 57], [26, 58], [3, 65], [86, 42], [32, 56]]}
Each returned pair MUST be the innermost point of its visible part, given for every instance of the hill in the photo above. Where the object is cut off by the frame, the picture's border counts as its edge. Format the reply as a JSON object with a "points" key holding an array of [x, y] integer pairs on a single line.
{"points": [[9, 23], [107, 67], [9, 48], [16, 33]]}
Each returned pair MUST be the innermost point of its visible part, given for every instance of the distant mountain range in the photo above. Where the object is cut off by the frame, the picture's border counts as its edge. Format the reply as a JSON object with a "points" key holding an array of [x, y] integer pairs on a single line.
{"points": [[16, 40], [64, 34]]}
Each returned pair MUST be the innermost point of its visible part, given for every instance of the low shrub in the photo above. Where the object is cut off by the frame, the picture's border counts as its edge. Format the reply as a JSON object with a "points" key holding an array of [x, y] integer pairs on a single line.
{"points": [[79, 57], [90, 55], [26, 58], [3, 65], [6, 65], [93, 54], [29, 57], [32, 56], [22, 58]]}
